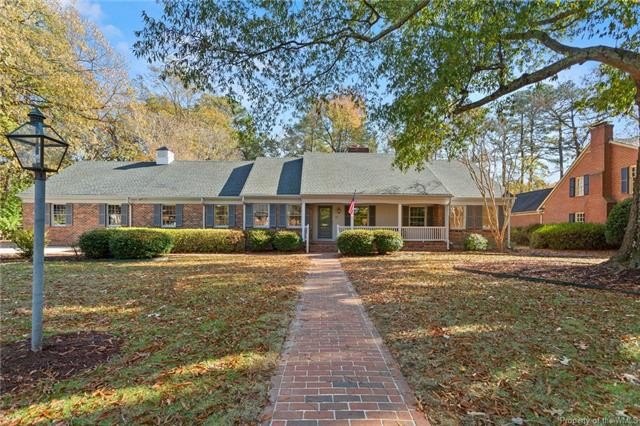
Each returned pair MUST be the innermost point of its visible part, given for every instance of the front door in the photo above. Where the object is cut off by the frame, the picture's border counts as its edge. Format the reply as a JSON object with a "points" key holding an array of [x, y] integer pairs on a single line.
{"points": [[325, 214]]}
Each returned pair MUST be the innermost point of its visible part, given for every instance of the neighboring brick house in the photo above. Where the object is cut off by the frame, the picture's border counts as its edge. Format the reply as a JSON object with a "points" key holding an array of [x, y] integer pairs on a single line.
{"points": [[433, 208], [601, 176]]}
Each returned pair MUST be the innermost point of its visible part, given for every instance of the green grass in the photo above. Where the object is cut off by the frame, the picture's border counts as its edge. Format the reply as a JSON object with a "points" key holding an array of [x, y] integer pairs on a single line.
{"points": [[201, 336], [471, 343]]}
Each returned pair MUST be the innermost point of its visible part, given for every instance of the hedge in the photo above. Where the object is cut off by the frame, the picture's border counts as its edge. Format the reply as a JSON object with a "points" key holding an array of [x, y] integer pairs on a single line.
{"points": [[95, 244], [139, 243], [570, 236], [522, 235], [259, 240], [206, 240], [387, 241], [476, 242], [617, 222], [287, 241], [358, 242]]}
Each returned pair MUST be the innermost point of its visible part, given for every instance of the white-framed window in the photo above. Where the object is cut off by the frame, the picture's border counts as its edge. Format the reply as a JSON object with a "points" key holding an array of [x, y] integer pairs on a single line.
{"points": [[168, 216], [114, 215], [456, 217], [59, 215], [261, 215], [361, 216], [221, 216], [417, 216], [580, 217], [580, 186], [294, 215]]}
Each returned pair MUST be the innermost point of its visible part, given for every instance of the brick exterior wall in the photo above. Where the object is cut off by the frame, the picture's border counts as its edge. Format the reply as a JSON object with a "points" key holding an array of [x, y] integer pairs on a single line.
{"points": [[142, 215], [425, 246], [602, 161], [457, 236], [192, 216], [85, 218], [521, 220]]}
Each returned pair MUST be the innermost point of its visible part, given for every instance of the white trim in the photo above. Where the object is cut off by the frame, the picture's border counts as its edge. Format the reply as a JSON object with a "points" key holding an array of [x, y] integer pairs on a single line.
{"points": [[624, 145]]}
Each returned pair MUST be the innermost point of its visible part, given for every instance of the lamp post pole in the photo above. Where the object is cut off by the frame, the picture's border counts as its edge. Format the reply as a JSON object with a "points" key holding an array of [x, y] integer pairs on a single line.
{"points": [[37, 288]]}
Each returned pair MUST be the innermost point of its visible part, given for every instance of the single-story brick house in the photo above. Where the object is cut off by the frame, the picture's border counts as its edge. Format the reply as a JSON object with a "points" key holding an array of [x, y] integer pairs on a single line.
{"points": [[433, 208], [601, 176]]}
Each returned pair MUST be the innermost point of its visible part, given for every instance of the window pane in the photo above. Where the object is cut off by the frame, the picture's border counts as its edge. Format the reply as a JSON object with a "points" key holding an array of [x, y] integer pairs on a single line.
{"points": [[294, 215], [361, 216], [221, 215], [59, 217], [261, 215], [416, 216], [580, 186], [114, 215], [456, 217], [169, 216], [580, 217]]}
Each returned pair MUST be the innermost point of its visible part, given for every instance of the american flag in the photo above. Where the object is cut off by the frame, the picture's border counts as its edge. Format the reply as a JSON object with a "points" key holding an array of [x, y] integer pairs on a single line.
{"points": [[352, 205]]}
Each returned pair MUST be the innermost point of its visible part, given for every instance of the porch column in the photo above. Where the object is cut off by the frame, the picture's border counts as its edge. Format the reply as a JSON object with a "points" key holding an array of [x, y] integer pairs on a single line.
{"points": [[446, 222], [304, 220], [400, 218]]}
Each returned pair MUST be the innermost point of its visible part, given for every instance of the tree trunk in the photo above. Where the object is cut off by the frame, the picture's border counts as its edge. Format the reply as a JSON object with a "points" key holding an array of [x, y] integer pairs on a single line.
{"points": [[629, 253], [560, 150]]}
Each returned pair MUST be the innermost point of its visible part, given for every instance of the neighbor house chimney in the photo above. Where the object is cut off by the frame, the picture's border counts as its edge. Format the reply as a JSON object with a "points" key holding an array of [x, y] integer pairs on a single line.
{"points": [[164, 155], [357, 148], [600, 163]]}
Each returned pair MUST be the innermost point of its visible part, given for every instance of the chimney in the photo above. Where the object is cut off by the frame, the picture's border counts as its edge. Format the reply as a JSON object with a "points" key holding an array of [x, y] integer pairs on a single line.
{"points": [[357, 148], [164, 155], [601, 133], [600, 163]]}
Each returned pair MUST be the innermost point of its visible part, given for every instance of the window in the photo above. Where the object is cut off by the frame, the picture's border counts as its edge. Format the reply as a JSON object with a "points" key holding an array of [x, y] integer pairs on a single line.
{"points": [[294, 215], [168, 216], [579, 217], [114, 215], [59, 215], [361, 216], [261, 215], [580, 186], [416, 216], [456, 217], [632, 179], [220, 216]]}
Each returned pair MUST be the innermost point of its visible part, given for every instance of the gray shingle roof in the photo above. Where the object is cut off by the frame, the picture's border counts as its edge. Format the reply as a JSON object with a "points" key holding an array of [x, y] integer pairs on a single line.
{"points": [[530, 201], [274, 176], [146, 179], [634, 142]]}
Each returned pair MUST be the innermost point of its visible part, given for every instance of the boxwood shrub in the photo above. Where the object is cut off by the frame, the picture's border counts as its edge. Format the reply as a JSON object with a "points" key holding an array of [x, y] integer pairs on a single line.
{"points": [[259, 240], [570, 236], [387, 241], [476, 242], [287, 241], [95, 244], [139, 243], [617, 222], [357, 242], [522, 235], [206, 240]]}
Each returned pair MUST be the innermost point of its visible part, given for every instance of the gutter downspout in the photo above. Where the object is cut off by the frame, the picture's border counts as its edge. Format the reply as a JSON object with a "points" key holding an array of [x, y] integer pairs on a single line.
{"points": [[130, 208], [203, 212]]}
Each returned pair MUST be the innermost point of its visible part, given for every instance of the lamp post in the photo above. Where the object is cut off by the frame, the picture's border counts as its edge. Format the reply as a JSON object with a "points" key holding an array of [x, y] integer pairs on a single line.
{"points": [[40, 149]]}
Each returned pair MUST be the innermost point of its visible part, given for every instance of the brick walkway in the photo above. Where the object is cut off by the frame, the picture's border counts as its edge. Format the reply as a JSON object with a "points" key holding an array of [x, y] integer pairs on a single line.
{"points": [[335, 369]]}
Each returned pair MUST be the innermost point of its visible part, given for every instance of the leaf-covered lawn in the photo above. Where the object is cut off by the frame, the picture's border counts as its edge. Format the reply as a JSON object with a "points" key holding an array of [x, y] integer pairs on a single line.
{"points": [[493, 350], [200, 337]]}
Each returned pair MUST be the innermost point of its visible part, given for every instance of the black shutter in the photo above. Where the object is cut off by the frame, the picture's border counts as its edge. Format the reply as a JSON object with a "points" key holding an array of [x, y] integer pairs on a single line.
{"points": [[179, 210], [102, 214], [232, 215], [157, 215], [124, 214], [405, 215], [273, 215], [586, 184], [282, 216], [372, 215], [208, 216], [572, 217], [572, 187], [624, 180], [69, 214], [248, 218], [47, 214]]}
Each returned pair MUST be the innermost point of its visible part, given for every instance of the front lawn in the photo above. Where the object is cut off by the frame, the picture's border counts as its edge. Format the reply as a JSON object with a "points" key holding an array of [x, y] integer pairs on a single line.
{"points": [[483, 350], [199, 337]]}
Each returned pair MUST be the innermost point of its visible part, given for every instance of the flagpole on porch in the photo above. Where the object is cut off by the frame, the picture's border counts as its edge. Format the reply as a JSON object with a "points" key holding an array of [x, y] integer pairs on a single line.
{"points": [[352, 208]]}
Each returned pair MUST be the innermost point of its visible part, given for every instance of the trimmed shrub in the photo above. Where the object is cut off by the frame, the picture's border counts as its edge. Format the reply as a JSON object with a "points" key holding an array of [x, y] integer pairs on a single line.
{"points": [[570, 236], [95, 244], [140, 243], [357, 242], [617, 222], [522, 236], [206, 240], [476, 242], [23, 239], [287, 241], [259, 240], [387, 241]]}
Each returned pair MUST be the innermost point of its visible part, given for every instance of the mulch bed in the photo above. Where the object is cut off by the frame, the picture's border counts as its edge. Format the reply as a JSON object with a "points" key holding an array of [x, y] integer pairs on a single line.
{"points": [[62, 356], [561, 271]]}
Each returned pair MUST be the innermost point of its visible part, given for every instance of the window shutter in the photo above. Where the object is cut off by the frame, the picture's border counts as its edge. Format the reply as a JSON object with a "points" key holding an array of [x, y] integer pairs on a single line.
{"points": [[586, 184], [273, 215], [157, 215], [347, 217], [179, 210], [372, 215], [69, 214], [405, 215], [624, 180], [208, 216], [282, 217], [124, 214], [248, 219], [47, 214], [102, 214], [572, 187], [232, 215], [572, 217]]}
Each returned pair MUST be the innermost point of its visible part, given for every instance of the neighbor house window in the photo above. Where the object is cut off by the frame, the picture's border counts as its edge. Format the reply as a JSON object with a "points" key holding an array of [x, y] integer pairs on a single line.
{"points": [[580, 217], [221, 215], [294, 215], [261, 215], [456, 217], [580, 186], [361, 216], [632, 178], [114, 215], [59, 215], [416, 216], [168, 216]]}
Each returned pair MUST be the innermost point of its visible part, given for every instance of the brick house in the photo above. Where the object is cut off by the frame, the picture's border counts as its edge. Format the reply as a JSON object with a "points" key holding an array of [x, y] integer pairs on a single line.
{"points": [[601, 176], [434, 208]]}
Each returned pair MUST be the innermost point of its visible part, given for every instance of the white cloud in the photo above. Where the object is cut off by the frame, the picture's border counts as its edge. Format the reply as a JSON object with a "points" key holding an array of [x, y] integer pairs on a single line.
{"points": [[87, 8], [112, 31]]}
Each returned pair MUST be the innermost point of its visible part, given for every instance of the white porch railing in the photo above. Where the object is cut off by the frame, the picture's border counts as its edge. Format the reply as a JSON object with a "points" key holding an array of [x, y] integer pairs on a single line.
{"points": [[409, 233]]}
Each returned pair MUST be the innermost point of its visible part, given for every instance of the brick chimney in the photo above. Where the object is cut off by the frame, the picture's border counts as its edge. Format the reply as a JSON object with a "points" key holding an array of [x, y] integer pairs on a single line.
{"points": [[357, 148], [601, 135], [164, 155]]}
